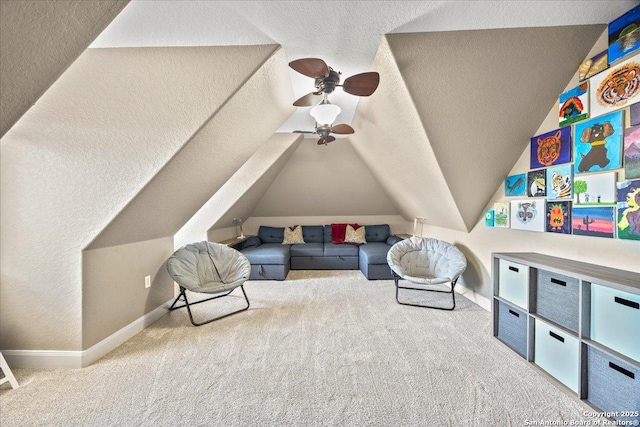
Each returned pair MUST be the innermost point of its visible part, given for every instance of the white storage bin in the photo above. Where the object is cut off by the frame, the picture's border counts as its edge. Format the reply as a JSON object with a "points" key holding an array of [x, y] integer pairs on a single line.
{"points": [[557, 353], [615, 320], [513, 283]]}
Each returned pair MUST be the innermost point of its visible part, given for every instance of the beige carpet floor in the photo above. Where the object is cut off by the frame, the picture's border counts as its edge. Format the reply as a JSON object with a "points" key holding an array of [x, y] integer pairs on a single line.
{"points": [[322, 348]]}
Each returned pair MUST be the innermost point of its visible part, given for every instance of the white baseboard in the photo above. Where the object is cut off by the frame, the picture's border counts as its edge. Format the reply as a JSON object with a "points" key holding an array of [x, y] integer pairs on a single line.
{"points": [[81, 359], [483, 302]]}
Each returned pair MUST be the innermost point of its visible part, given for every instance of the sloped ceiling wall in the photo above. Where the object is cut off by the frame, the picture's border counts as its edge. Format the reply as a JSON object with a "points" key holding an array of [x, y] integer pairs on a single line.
{"points": [[94, 140], [235, 199], [40, 39], [479, 97], [208, 160]]}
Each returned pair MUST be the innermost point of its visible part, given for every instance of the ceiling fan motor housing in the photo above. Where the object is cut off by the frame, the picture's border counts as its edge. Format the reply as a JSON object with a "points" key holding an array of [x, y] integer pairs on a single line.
{"points": [[328, 84]]}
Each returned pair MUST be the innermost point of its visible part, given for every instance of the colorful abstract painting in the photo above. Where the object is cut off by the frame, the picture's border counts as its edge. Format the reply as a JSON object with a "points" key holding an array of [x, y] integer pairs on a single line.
{"points": [[593, 221], [489, 218], [574, 105], [551, 148], [515, 185], [558, 217], [595, 189], [560, 182], [536, 183], [616, 88], [629, 210], [632, 152], [598, 144], [501, 215], [592, 66], [624, 35], [528, 215]]}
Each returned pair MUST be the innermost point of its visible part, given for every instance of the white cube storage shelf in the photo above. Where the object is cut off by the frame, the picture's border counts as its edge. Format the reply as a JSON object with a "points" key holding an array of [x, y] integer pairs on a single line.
{"points": [[578, 323]]}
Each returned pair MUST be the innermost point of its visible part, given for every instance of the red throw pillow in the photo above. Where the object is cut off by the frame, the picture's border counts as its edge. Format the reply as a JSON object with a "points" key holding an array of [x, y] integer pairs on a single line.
{"points": [[337, 232]]}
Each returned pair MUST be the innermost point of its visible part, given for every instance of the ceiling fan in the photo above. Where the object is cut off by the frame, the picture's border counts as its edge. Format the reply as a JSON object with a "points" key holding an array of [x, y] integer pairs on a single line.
{"points": [[327, 79], [324, 132]]}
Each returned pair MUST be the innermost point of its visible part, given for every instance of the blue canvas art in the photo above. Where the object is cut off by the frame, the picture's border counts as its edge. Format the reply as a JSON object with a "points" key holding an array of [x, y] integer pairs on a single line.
{"points": [[598, 144], [551, 148], [515, 185], [593, 221], [489, 218], [560, 182], [624, 35]]}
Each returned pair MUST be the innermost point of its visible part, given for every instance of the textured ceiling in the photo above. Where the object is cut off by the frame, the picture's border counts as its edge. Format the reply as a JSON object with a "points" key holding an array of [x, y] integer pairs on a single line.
{"points": [[344, 33], [40, 39]]}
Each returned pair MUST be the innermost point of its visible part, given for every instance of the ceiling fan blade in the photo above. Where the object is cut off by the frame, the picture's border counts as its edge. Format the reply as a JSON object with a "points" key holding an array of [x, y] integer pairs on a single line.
{"points": [[363, 84], [342, 129], [325, 141], [303, 131], [311, 67], [308, 100]]}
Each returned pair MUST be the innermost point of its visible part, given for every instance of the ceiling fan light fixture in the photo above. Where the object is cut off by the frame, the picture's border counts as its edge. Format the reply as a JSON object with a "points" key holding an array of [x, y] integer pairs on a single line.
{"points": [[325, 114]]}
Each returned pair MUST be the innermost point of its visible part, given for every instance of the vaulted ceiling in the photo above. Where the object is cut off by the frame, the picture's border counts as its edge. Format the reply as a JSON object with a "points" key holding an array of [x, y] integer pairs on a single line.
{"points": [[463, 87]]}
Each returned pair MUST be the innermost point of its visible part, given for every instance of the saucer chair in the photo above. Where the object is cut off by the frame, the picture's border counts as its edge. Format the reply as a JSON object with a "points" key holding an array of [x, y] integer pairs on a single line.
{"points": [[426, 261], [209, 268]]}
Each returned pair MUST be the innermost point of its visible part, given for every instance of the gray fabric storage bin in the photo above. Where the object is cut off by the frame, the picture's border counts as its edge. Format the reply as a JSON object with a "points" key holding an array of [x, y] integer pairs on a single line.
{"points": [[557, 298], [610, 384], [512, 327]]}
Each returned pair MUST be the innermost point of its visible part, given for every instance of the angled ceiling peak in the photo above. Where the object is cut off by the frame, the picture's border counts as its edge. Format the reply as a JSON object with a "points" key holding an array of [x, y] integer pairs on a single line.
{"points": [[479, 96]]}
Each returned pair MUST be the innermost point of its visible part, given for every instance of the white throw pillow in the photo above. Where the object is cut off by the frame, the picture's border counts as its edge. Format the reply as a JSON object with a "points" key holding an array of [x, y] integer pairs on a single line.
{"points": [[352, 235], [293, 235]]}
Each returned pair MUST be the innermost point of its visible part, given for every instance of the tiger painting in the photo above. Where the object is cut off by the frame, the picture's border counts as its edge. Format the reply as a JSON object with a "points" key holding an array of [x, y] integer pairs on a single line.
{"points": [[561, 185], [549, 149], [620, 86]]}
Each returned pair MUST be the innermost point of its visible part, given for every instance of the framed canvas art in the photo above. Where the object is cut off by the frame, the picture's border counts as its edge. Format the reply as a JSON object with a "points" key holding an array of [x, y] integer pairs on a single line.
{"points": [[634, 114], [488, 218], [574, 105], [558, 217], [595, 189], [592, 66], [515, 185], [598, 144], [528, 215], [551, 148], [536, 186], [596, 221], [560, 182], [501, 215], [624, 35], [629, 210], [616, 88], [632, 153]]}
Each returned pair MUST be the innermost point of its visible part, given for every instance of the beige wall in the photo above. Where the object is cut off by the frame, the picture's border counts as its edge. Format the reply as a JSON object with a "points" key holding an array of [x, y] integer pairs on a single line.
{"points": [[93, 141], [114, 294], [482, 241], [324, 181]]}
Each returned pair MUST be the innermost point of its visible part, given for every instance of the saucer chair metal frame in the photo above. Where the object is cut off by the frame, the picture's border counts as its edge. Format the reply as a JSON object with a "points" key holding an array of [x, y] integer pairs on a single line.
{"points": [[428, 262], [211, 268]]}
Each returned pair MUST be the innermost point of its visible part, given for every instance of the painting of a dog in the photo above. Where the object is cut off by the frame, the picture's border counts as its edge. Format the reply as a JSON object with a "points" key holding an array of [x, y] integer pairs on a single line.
{"points": [[598, 144]]}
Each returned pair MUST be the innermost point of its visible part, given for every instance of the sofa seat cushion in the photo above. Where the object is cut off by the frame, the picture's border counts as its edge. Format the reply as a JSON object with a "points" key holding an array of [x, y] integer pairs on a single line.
{"points": [[307, 249], [268, 253], [374, 253], [332, 249]]}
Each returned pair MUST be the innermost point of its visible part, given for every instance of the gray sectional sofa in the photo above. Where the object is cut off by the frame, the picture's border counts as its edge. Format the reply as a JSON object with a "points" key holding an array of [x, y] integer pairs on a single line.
{"points": [[271, 260]]}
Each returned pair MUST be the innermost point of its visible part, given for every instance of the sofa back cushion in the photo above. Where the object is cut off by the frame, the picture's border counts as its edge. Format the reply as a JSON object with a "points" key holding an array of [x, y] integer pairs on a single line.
{"points": [[377, 233], [271, 234], [313, 233], [327, 234]]}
